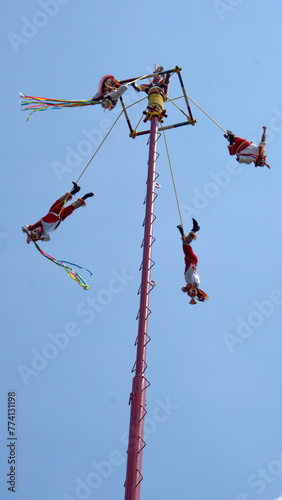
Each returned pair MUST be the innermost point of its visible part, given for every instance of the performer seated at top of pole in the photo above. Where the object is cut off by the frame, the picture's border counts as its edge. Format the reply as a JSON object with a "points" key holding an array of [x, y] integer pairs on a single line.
{"points": [[109, 92], [156, 90], [57, 213], [246, 151], [191, 274]]}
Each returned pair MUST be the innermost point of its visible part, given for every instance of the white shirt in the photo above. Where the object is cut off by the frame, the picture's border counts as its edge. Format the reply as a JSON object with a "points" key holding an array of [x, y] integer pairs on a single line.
{"points": [[192, 276], [250, 153], [47, 228]]}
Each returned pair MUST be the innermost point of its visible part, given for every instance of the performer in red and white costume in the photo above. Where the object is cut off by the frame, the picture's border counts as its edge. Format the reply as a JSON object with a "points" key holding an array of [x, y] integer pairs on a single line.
{"points": [[246, 151], [57, 213], [156, 91], [109, 92], [191, 274]]}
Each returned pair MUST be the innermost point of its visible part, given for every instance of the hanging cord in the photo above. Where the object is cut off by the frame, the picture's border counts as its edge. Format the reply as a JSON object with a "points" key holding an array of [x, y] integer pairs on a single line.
{"points": [[133, 104], [142, 116], [144, 77], [88, 163], [92, 157], [173, 180], [223, 129], [171, 100], [137, 79], [137, 102]]}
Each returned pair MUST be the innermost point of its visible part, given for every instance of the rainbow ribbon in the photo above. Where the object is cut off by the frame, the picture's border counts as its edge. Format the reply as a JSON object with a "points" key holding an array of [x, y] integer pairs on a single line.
{"points": [[43, 103], [75, 276]]}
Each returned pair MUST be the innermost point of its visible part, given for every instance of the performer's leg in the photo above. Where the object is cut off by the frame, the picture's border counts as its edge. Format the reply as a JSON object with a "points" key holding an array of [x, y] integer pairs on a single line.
{"points": [[194, 230], [58, 205], [66, 211]]}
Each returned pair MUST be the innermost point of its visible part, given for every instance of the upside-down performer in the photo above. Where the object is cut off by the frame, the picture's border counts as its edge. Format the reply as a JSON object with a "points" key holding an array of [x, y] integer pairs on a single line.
{"points": [[156, 90], [246, 151], [109, 92], [191, 275], [57, 213]]}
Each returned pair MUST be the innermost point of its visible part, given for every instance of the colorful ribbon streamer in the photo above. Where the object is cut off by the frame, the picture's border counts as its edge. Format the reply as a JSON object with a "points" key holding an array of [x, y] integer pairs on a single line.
{"points": [[68, 269], [42, 103]]}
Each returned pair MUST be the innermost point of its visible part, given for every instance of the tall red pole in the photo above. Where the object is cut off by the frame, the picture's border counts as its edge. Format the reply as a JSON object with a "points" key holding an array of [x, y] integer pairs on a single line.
{"points": [[136, 441]]}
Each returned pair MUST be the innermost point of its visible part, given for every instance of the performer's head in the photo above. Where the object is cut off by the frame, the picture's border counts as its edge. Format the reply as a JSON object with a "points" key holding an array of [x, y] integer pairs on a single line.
{"points": [[261, 161], [194, 292], [36, 233], [190, 289], [108, 83], [158, 78]]}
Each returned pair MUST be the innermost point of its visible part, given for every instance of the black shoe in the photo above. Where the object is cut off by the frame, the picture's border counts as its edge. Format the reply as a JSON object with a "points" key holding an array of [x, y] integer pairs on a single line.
{"points": [[229, 136], [75, 188], [87, 195], [195, 227], [180, 228]]}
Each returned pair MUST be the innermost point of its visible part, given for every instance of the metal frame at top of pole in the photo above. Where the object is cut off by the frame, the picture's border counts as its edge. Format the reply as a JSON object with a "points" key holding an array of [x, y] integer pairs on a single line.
{"points": [[137, 401]]}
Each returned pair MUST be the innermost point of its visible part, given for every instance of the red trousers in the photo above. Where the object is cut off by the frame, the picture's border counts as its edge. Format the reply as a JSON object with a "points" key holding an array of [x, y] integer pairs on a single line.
{"points": [[238, 146], [57, 212], [189, 256]]}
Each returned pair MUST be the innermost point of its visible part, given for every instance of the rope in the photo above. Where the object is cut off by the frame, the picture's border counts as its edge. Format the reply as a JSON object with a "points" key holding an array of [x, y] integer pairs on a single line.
{"points": [[223, 129], [171, 100], [92, 157], [152, 75], [142, 116], [139, 78], [133, 104], [100, 145], [173, 180], [136, 102]]}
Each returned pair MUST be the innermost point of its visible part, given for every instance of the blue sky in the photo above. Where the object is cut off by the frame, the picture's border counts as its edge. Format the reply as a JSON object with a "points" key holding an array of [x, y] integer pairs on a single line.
{"points": [[213, 427]]}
